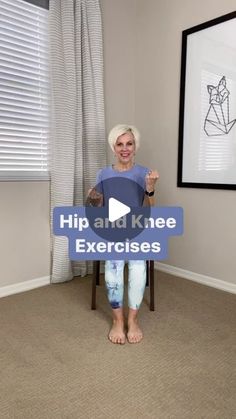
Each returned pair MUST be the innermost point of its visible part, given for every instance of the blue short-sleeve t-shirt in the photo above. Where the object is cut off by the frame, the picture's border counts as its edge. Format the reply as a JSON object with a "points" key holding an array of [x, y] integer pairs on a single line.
{"points": [[130, 193]]}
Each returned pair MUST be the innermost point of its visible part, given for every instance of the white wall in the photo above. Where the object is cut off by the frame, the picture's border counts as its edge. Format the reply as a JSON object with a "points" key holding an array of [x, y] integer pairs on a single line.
{"points": [[24, 232], [119, 61], [209, 241]]}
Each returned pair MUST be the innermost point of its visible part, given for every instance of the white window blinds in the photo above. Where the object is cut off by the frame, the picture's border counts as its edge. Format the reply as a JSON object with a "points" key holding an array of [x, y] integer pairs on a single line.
{"points": [[24, 91]]}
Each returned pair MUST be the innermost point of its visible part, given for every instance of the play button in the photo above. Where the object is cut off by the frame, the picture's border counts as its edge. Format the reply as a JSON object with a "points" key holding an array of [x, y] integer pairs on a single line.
{"points": [[120, 217], [116, 209]]}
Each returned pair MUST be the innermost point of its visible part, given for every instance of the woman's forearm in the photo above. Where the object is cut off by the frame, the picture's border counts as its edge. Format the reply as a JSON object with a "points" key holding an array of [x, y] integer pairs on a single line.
{"points": [[149, 201]]}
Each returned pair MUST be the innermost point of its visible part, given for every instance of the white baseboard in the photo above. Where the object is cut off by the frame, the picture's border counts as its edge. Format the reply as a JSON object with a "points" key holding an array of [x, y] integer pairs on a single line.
{"points": [[24, 286], [193, 276], [172, 270]]}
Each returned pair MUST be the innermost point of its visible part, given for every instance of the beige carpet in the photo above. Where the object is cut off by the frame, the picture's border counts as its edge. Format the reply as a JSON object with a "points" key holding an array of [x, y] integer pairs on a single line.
{"points": [[56, 361]]}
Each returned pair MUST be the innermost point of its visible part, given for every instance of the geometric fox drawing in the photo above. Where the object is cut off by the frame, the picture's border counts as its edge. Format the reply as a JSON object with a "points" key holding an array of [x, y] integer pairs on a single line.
{"points": [[217, 118]]}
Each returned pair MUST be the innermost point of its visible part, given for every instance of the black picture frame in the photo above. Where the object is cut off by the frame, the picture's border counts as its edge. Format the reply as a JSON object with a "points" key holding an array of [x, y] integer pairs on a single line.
{"points": [[207, 128]]}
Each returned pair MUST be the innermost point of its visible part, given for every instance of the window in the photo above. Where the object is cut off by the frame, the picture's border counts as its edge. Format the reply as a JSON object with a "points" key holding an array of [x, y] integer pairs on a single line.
{"points": [[24, 90]]}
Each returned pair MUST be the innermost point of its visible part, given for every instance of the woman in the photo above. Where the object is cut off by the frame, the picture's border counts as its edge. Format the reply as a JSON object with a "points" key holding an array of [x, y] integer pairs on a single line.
{"points": [[124, 142]]}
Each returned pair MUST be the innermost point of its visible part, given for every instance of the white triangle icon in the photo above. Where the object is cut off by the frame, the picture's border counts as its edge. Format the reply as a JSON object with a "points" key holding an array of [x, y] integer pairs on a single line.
{"points": [[116, 209]]}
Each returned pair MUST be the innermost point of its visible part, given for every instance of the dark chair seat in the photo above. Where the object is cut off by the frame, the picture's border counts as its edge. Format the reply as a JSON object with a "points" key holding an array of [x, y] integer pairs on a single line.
{"points": [[149, 282]]}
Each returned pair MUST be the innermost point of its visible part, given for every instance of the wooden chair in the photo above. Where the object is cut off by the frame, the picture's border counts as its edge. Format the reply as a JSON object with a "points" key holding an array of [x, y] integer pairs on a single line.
{"points": [[149, 282]]}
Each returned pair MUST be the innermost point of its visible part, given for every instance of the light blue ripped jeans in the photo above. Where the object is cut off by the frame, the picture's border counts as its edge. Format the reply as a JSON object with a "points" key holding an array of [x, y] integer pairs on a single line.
{"points": [[114, 278]]}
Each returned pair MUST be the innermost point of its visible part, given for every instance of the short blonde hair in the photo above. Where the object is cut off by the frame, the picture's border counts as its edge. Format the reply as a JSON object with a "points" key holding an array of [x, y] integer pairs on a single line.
{"points": [[121, 129]]}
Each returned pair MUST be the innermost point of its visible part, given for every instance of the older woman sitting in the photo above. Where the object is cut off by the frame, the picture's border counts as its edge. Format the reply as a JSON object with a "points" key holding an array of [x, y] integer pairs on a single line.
{"points": [[124, 141]]}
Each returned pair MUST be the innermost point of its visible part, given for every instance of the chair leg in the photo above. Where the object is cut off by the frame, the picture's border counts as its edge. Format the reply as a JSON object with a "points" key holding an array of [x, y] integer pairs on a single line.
{"points": [[97, 264], [151, 267], [95, 282], [147, 273]]}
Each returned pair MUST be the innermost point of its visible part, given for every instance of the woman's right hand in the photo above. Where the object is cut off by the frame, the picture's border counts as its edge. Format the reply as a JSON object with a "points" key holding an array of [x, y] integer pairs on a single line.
{"points": [[94, 198]]}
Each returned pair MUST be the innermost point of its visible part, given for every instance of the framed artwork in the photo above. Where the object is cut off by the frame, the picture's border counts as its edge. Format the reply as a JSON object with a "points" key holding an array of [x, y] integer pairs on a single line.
{"points": [[207, 117]]}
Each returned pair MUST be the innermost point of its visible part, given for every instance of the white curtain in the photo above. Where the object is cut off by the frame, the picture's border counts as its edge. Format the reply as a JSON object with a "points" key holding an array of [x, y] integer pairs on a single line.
{"points": [[77, 113]]}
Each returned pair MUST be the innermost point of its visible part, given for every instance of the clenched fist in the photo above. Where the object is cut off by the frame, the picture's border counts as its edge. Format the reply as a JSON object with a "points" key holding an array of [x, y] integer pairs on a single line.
{"points": [[151, 179], [94, 198]]}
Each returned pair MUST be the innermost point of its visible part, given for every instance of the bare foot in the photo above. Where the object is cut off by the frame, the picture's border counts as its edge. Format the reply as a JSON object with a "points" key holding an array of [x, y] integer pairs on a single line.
{"points": [[116, 334], [134, 334]]}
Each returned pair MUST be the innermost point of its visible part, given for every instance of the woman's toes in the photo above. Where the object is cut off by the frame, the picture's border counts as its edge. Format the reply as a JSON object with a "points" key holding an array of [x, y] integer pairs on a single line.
{"points": [[134, 334], [118, 337]]}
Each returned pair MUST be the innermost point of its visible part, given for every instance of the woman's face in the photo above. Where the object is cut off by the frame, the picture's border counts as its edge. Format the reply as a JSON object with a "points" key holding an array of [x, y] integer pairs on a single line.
{"points": [[125, 147]]}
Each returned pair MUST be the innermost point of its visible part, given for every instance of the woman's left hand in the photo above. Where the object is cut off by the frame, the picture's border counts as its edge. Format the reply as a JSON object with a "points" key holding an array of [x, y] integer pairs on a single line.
{"points": [[151, 179]]}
